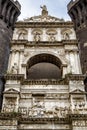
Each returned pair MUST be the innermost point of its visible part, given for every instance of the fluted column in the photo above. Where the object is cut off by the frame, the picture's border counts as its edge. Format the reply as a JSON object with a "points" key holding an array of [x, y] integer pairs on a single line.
{"points": [[68, 59], [21, 61], [9, 63], [72, 63], [64, 68]]}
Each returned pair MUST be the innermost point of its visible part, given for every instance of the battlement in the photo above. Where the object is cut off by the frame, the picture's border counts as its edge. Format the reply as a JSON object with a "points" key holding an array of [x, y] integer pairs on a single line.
{"points": [[72, 3], [16, 3], [9, 11]]}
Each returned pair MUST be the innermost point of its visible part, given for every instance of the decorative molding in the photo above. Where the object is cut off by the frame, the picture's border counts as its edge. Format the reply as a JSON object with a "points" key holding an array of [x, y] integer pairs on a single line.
{"points": [[11, 91], [79, 123], [22, 24], [14, 77], [77, 77], [44, 43], [78, 116], [45, 82], [43, 120], [9, 122]]}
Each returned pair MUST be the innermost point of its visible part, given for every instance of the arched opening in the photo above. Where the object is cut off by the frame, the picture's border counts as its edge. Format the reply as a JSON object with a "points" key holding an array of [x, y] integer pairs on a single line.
{"points": [[44, 66]]}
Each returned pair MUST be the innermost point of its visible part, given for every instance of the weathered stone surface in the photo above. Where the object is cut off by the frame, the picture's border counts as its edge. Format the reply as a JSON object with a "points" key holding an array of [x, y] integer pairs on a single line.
{"points": [[78, 13], [9, 11]]}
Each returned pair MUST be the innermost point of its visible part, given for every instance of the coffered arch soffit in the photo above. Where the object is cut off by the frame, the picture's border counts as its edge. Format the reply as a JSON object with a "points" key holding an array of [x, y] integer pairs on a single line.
{"points": [[62, 58]]}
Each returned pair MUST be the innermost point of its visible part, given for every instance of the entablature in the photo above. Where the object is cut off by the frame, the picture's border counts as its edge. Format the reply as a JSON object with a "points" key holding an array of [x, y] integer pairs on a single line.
{"points": [[44, 43], [68, 24]]}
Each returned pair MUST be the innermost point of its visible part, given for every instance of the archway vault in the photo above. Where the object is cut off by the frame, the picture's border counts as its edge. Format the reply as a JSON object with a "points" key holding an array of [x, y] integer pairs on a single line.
{"points": [[44, 66]]}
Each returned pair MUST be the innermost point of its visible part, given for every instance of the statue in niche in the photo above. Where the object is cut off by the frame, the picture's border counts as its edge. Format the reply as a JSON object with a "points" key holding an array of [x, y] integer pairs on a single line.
{"points": [[37, 37], [21, 36], [66, 36], [52, 37], [14, 69]]}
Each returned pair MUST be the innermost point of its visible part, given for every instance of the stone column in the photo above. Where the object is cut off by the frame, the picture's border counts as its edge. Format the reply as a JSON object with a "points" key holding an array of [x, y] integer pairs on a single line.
{"points": [[9, 63], [64, 68], [12, 58], [77, 63], [72, 62], [21, 61], [68, 58]]}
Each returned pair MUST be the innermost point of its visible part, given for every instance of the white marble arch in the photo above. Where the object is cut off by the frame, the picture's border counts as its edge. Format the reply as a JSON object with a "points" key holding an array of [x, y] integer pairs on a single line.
{"points": [[62, 58], [63, 61]]}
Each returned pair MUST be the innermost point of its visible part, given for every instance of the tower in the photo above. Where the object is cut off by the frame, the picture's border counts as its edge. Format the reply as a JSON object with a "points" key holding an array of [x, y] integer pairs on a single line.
{"points": [[9, 11], [77, 10]]}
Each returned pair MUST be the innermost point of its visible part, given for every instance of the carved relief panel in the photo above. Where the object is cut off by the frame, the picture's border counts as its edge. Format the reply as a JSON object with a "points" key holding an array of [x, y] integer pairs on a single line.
{"points": [[22, 34], [37, 35], [38, 106], [66, 33], [10, 104], [51, 35]]}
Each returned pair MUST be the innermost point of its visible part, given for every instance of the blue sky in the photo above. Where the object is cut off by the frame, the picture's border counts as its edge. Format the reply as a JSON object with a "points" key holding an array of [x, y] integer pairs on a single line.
{"points": [[57, 8]]}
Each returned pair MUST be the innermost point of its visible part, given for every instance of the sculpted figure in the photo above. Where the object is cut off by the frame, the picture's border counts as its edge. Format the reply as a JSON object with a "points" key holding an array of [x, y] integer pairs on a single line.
{"points": [[44, 8], [14, 69], [51, 38], [37, 37]]}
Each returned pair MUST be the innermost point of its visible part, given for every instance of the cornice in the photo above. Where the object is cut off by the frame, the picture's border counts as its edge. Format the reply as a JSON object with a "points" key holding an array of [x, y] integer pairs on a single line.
{"points": [[44, 120], [8, 116], [78, 116], [44, 43], [14, 77], [21, 24], [45, 82], [77, 77]]}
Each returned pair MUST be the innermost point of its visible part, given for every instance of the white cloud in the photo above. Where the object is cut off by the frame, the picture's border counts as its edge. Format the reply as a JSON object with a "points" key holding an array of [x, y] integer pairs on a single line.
{"points": [[56, 8]]}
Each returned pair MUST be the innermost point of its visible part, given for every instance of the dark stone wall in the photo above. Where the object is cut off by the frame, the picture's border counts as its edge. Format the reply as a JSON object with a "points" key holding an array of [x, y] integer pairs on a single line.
{"points": [[78, 13], [9, 11], [82, 38], [5, 37]]}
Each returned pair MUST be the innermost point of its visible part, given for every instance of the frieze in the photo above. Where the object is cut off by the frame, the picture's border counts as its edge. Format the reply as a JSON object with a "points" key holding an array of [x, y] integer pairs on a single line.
{"points": [[26, 95], [45, 126], [45, 82], [14, 77], [22, 24], [77, 77], [58, 96], [44, 43], [26, 88], [8, 122], [80, 123], [39, 111]]}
